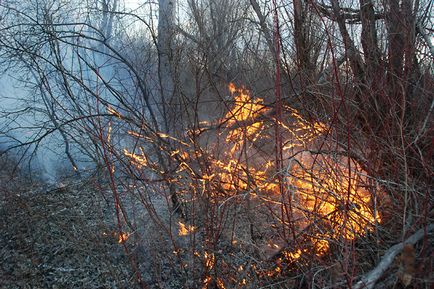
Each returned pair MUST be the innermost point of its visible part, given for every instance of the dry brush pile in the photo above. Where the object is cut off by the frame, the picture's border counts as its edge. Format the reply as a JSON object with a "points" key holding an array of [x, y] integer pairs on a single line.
{"points": [[228, 217], [320, 177]]}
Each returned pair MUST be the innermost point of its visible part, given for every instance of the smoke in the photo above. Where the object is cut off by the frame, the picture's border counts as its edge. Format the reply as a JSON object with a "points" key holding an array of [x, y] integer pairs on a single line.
{"points": [[22, 129], [50, 95]]}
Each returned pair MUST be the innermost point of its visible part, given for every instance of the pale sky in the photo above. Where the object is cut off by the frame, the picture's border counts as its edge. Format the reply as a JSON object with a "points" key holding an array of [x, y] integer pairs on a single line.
{"points": [[133, 4]]}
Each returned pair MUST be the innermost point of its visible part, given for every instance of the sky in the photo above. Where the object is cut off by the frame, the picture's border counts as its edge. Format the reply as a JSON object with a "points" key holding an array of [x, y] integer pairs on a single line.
{"points": [[133, 4]]}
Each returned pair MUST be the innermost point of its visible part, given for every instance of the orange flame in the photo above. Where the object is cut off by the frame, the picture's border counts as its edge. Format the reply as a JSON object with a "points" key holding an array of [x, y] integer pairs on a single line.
{"points": [[123, 236], [324, 189], [327, 191], [138, 160], [185, 230]]}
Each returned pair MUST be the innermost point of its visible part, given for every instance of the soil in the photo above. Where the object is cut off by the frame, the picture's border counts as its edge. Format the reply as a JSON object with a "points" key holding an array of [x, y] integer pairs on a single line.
{"points": [[61, 238]]}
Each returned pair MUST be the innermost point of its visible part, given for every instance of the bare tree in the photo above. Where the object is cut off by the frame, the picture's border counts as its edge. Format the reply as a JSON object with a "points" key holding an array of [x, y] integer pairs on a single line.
{"points": [[351, 130]]}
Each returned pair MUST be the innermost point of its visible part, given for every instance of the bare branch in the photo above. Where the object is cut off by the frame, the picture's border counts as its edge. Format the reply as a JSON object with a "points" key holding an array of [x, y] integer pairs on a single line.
{"points": [[369, 280]]}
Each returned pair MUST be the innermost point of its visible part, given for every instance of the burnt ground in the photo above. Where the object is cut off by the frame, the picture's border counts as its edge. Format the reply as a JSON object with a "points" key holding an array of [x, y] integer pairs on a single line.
{"points": [[60, 238]]}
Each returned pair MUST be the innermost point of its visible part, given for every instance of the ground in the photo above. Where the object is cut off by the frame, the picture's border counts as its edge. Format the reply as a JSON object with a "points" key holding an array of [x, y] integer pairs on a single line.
{"points": [[60, 238]]}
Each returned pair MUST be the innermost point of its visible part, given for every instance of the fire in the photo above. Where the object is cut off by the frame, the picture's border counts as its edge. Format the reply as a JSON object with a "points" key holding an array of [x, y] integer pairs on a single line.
{"points": [[244, 110], [245, 128], [293, 255], [139, 160], [336, 193], [232, 88], [206, 282], [321, 247], [220, 284], [325, 190], [185, 230], [209, 260], [123, 236], [330, 196]]}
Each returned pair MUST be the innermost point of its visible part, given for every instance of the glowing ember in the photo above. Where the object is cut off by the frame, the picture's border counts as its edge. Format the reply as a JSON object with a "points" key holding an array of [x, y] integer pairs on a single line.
{"points": [[206, 282], [321, 247], [139, 160], [292, 256], [232, 88], [220, 284], [185, 230], [123, 236], [209, 260]]}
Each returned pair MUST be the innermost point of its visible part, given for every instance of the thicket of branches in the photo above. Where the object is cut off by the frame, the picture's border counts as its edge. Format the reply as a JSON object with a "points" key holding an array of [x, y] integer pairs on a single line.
{"points": [[303, 172]]}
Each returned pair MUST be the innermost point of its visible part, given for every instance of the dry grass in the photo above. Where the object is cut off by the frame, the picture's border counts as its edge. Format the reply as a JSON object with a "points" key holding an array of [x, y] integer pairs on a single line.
{"points": [[60, 239]]}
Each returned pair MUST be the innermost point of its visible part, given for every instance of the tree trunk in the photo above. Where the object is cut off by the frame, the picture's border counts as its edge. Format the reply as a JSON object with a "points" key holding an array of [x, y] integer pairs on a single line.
{"points": [[165, 48], [169, 109]]}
